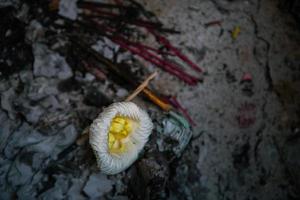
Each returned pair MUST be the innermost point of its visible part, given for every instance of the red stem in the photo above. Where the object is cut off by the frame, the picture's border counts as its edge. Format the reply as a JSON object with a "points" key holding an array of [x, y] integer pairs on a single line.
{"points": [[176, 104], [159, 62], [169, 46], [152, 49], [149, 56], [212, 23]]}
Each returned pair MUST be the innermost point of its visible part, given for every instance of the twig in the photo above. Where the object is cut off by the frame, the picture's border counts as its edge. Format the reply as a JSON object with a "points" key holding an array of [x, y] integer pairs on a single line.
{"points": [[176, 51], [141, 87], [156, 100], [83, 137], [213, 23]]}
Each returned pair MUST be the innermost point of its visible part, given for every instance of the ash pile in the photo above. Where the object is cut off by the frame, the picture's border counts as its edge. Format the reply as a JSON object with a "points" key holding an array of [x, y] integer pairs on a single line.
{"points": [[61, 63]]}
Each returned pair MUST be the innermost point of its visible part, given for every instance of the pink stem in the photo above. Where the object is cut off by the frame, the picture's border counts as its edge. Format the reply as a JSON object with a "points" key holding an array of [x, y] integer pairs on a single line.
{"points": [[152, 49], [177, 105], [149, 56], [165, 41], [159, 62]]}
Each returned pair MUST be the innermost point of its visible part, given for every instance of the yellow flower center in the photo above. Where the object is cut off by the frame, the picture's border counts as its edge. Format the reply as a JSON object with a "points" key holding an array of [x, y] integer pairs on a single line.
{"points": [[119, 130]]}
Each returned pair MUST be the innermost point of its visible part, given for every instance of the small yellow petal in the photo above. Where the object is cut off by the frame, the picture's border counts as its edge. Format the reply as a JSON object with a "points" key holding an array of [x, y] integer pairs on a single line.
{"points": [[119, 130], [119, 120], [128, 127], [111, 137], [116, 127], [124, 132], [235, 32], [122, 148], [116, 144]]}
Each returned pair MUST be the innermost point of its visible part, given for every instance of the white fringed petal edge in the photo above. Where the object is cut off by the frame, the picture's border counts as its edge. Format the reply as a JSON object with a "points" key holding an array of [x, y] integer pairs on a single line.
{"points": [[114, 163]]}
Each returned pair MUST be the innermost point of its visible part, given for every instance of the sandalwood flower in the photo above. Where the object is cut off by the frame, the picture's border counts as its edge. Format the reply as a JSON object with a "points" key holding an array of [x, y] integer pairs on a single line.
{"points": [[118, 134]]}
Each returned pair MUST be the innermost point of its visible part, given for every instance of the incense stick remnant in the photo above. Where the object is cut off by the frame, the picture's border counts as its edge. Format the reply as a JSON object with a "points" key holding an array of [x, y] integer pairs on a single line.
{"points": [[141, 87]]}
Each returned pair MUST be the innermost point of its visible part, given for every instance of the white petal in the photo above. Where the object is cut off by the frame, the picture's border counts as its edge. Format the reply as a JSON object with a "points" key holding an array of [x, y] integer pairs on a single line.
{"points": [[114, 163]]}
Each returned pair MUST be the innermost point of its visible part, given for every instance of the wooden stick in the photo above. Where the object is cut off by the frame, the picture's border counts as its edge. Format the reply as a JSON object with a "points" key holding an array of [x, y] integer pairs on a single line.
{"points": [[81, 140], [156, 100], [141, 87]]}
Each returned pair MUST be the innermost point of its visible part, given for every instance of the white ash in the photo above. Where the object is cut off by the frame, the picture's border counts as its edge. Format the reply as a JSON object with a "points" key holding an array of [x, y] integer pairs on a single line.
{"points": [[106, 47], [51, 103], [74, 191], [121, 93], [34, 113], [6, 129], [49, 64], [20, 174], [35, 31], [97, 186], [6, 3], [41, 87], [28, 191], [68, 9], [59, 44], [115, 47], [59, 190], [4, 168], [98, 46], [7, 100], [22, 13], [8, 33], [52, 146], [89, 77], [124, 56]]}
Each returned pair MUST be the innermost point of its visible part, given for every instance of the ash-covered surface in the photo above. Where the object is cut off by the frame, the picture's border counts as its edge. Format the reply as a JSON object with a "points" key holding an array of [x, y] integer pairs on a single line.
{"points": [[246, 142]]}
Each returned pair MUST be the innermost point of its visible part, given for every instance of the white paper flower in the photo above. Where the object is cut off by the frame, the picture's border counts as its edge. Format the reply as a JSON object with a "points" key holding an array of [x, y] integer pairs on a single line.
{"points": [[118, 134]]}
